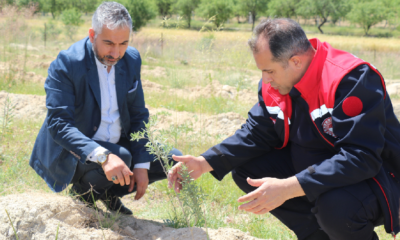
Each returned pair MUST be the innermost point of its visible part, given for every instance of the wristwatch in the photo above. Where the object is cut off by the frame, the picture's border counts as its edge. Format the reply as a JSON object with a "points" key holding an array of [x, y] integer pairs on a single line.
{"points": [[102, 157]]}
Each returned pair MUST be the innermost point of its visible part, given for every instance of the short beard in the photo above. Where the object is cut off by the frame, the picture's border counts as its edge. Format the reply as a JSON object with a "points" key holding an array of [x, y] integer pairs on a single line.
{"points": [[103, 59]]}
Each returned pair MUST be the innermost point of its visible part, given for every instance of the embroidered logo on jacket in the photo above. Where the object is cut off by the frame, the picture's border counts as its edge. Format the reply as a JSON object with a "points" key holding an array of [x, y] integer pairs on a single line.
{"points": [[328, 127]]}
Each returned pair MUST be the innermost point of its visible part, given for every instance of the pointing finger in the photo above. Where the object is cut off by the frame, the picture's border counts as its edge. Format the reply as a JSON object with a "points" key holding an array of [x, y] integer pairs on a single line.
{"points": [[132, 184]]}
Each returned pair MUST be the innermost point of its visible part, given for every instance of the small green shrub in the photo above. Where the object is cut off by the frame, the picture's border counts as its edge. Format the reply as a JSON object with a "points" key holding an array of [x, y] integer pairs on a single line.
{"points": [[72, 20], [191, 196]]}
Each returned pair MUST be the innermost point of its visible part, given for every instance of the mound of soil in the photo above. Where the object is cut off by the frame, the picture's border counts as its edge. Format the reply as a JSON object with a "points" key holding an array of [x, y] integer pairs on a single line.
{"points": [[39, 215], [26, 106]]}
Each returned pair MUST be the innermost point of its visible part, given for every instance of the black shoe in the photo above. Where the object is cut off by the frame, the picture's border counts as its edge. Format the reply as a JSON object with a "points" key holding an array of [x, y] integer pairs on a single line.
{"points": [[115, 204]]}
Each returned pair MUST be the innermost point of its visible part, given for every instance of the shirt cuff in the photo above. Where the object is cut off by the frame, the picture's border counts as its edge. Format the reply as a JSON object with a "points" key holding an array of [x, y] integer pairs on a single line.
{"points": [[93, 155], [143, 165]]}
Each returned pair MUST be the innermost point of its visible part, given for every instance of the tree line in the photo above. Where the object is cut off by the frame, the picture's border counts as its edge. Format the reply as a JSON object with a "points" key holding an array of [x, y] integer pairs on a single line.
{"points": [[365, 13]]}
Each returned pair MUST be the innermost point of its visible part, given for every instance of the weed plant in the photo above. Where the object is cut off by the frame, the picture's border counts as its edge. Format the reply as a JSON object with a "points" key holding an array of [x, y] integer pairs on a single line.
{"points": [[6, 119], [12, 225]]}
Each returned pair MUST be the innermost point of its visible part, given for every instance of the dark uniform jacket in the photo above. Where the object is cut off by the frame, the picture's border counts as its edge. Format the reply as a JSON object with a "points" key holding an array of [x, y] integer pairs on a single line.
{"points": [[341, 132], [73, 101]]}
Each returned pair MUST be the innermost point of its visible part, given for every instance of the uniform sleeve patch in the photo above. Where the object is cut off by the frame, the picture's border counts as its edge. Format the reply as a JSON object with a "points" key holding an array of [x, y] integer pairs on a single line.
{"points": [[352, 106]]}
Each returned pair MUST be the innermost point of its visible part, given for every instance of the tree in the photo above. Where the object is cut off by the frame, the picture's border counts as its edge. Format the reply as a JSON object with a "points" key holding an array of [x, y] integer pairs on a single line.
{"points": [[255, 7], [237, 12], [283, 8], [186, 8], [83, 5], [392, 11], [55, 7], [141, 12], [165, 7], [367, 13], [221, 9], [324, 9], [72, 20]]}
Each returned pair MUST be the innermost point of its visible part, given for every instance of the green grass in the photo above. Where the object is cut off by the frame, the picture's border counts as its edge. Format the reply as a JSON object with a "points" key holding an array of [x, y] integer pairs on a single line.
{"points": [[25, 88], [16, 176]]}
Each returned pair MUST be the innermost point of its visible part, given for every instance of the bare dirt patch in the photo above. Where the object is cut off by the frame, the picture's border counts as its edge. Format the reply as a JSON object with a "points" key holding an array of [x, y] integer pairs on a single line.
{"points": [[17, 72], [225, 124], [214, 89], [39, 215]]}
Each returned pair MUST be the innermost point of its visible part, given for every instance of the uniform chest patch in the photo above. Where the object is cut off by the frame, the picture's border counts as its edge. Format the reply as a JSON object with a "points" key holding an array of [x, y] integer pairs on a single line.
{"points": [[328, 127], [352, 106]]}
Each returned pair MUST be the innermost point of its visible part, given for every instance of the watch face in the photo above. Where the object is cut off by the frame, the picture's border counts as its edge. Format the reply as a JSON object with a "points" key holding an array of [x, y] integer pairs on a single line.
{"points": [[102, 158]]}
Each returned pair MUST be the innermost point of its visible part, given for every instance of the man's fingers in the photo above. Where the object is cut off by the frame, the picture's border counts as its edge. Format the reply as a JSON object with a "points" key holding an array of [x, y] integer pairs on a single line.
{"points": [[250, 196], [178, 186], [108, 177], [255, 182], [253, 206], [184, 159], [173, 174], [249, 205], [263, 211], [121, 179], [115, 181], [140, 191], [132, 183], [127, 178]]}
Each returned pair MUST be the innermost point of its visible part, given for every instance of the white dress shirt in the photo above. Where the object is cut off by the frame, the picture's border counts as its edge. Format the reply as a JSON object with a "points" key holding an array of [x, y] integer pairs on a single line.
{"points": [[110, 126]]}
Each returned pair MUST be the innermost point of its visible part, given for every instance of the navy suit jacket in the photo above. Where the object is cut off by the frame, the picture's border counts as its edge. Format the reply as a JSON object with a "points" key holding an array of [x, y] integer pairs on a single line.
{"points": [[73, 101]]}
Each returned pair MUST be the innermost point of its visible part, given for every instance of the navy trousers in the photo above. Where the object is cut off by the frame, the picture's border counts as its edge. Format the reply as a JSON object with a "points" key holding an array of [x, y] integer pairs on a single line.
{"points": [[347, 213], [90, 176]]}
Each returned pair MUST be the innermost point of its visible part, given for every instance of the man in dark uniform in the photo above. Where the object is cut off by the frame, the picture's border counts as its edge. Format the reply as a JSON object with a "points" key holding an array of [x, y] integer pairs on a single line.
{"points": [[321, 148]]}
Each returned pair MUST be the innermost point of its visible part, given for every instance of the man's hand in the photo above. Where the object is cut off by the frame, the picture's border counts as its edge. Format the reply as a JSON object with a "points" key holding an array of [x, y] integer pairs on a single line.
{"points": [[196, 167], [141, 178], [114, 166], [270, 194]]}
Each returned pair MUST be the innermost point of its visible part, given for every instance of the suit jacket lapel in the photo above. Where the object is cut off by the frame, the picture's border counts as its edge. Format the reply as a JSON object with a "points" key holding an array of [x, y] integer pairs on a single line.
{"points": [[120, 84], [92, 74]]}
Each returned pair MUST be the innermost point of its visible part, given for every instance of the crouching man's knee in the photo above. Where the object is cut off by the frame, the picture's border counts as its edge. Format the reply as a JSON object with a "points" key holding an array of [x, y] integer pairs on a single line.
{"points": [[345, 214], [240, 177]]}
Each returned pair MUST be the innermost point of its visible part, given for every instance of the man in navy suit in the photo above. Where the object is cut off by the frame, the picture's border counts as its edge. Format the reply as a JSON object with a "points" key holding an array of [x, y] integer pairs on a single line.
{"points": [[95, 101]]}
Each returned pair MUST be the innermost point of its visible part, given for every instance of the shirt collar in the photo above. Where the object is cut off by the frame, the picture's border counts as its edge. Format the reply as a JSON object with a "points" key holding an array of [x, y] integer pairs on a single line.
{"points": [[101, 66]]}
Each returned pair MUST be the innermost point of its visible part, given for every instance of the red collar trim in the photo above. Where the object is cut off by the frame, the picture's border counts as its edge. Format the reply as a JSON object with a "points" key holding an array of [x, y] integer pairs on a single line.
{"points": [[309, 83]]}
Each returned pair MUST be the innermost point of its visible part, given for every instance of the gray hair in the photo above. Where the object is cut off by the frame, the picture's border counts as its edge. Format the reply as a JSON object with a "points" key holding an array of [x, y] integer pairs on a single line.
{"points": [[111, 14], [285, 38]]}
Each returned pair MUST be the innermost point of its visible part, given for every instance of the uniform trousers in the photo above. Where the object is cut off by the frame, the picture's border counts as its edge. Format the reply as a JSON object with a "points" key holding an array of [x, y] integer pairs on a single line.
{"points": [[346, 213], [90, 175]]}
